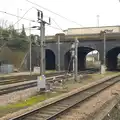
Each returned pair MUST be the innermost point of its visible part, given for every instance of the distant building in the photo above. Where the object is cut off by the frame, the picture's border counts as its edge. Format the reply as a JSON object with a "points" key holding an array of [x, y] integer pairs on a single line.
{"points": [[91, 30], [90, 58]]}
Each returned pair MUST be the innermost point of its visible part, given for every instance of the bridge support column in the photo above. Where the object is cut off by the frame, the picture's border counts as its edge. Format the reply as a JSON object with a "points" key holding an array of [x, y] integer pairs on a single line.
{"points": [[111, 63], [103, 63], [81, 61], [59, 62]]}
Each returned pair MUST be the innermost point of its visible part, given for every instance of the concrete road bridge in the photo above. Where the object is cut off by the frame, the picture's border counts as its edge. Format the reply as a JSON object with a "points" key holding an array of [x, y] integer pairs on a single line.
{"points": [[89, 39]]}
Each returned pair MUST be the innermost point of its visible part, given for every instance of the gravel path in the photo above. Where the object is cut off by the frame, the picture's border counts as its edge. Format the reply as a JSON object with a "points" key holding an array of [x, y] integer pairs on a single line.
{"points": [[84, 110]]}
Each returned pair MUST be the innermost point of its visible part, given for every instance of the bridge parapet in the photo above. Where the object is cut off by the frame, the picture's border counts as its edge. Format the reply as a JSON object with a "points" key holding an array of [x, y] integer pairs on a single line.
{"points": [[81, 37]]}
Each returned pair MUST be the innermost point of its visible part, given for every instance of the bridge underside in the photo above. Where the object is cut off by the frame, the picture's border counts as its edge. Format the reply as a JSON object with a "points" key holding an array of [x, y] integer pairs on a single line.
{"points": [[112, 58], [51, 57], [35, 59], [50, 60], [82, 52]]}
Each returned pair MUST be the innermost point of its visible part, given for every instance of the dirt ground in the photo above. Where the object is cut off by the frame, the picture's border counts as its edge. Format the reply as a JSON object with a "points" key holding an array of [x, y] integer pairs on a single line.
{"points": [[114, 114], [85, 111], [12, 100], [66, 87]]}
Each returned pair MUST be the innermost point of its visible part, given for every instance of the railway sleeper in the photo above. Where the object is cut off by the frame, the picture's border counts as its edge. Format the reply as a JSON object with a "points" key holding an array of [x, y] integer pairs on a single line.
{"points": [[47, 112], [33, 118]]}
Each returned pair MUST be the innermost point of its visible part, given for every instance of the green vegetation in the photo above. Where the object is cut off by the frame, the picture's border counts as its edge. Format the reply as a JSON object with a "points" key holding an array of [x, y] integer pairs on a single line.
{"points": [[68, 86], [26, 103], [13, 38], [14, 45]]}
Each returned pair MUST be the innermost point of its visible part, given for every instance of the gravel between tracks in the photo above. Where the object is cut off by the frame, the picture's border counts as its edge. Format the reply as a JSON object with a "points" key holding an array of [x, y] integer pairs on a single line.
{"points": [[21, 95], [85, 110], [44, 102], [16, 96]]}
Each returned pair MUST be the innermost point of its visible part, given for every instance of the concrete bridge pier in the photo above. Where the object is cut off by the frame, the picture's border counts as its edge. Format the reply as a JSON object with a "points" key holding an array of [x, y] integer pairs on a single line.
{"points": [[81, 61]]}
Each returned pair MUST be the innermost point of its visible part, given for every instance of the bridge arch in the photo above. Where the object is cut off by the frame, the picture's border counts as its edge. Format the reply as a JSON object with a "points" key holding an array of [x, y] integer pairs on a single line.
{"points": [[93, 60], [112, 58], [49, 59], [82, 54], [68, 61]]}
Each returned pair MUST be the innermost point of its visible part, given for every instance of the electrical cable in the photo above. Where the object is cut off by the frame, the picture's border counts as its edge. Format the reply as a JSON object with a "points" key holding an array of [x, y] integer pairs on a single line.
{"points": [[53, 12], [54, 27], [24, 15], [17, 16], [22, 62], [26, 19], [57, 24]]}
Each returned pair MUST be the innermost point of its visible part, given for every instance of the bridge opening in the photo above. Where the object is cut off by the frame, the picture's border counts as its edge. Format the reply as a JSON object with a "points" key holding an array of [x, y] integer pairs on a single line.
{"points": [[68, 63], [113, 59], [118, 61], [50, 59], [92, 60], [85, 61]]}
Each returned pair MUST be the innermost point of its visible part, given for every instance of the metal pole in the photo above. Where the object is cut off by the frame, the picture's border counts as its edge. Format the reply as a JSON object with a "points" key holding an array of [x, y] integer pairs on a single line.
{"points": [[76, 58], [30, 48], [104, 49], [98, 20], [42, 41], [44, 59], [73, 58], [58, 53], [98, 56], [74, 66], [42, 51], [18, 18], [92, 58]]}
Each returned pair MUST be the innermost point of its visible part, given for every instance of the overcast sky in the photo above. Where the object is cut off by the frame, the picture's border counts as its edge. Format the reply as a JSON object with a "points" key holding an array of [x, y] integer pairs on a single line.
{"points": [[83, 12]]}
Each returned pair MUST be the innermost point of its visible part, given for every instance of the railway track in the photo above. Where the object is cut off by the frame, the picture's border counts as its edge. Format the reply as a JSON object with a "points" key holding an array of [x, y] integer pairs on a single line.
{"points": [[53, 110], [20, 78], [5, 89], [15, 79]]}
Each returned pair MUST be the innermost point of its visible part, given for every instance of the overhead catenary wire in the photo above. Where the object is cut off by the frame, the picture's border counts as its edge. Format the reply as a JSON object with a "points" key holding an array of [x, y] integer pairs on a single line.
{"points": [[17, 16], [11, 37], [57, 24], [26, 19], [24, 15], [54, 13], [54, 27], [18, 19], [29, 19]]}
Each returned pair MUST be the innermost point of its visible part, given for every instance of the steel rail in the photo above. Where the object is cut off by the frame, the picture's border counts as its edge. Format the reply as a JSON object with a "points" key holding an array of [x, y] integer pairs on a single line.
{"points": [[53, 110], [25, 85], [5, 89], [15, 80]]}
